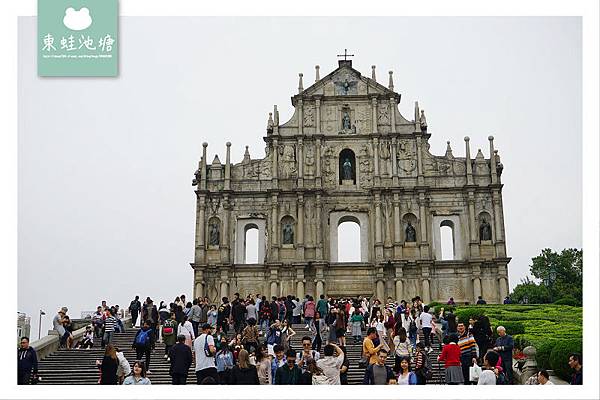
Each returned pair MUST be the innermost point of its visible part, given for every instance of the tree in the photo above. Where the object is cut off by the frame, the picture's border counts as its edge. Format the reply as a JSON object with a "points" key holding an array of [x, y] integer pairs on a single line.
{"points": [[562, 274], [530, 292]]}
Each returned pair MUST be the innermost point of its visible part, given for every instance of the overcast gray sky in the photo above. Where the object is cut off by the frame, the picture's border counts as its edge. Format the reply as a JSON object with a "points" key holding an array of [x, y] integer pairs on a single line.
{"points": [[106, 206]]}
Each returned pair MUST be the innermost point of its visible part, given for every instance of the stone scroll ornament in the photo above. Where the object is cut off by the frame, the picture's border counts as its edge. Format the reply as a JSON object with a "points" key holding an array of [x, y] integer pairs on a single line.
{"points": [[485, 230]]}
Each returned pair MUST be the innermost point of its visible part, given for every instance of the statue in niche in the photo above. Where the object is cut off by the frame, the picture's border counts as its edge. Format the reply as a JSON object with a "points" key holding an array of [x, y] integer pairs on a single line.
{"points": [[310, 162], [384, 153], [346, 124], [411, 233], [347, 169], [288, 233], [485, 230], [214, 234]]}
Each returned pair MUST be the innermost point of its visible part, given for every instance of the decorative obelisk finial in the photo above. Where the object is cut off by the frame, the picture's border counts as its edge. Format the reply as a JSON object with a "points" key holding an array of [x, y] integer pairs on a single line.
{"points": [[373, 73], [391, 83], [317, 77], [300, 85]]}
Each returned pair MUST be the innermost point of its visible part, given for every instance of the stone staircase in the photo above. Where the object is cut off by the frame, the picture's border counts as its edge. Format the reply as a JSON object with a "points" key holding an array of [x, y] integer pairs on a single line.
{"points": [[78, 367]]}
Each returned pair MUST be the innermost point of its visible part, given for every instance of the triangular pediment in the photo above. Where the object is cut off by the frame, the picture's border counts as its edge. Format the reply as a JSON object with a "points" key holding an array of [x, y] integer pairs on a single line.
{"points": [[346, 81]]}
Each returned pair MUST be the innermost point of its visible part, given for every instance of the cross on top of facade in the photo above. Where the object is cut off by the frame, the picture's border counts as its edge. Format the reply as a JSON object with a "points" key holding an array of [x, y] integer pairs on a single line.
{"points": [[345, 55]]}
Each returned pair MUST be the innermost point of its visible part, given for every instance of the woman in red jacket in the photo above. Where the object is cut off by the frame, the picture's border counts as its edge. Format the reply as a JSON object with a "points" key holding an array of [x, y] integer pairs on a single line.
{"points": [[451, 358]]}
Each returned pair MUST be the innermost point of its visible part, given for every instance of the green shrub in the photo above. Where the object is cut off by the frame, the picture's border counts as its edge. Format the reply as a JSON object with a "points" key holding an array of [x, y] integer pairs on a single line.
{"points": [[512, 327], [567, 301], [543, 350], [559, 357], [464, 314]]}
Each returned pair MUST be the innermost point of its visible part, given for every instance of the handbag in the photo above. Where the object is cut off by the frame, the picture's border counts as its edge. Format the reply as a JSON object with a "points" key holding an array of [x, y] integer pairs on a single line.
{"points": [[474, 373]]}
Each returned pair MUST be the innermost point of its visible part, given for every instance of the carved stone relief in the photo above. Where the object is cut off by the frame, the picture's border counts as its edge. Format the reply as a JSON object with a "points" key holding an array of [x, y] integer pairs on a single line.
{"points": [[406, 157], [365, 167], [384, 156], [329, 166], [287, 166], [384, 114], [309, 162], [309, 116]]}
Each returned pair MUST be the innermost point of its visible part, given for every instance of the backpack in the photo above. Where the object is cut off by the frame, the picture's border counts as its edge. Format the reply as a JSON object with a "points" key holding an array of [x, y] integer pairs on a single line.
{"points": [[143, 338], [413, 326], [168, 328], [427, 368]]}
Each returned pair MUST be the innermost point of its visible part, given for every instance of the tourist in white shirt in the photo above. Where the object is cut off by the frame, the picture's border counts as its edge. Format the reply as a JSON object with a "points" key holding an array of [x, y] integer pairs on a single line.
{"points": [[426, 319], [205, 350], [331, 363], [488, 375], [544, 377], [186, 329]]}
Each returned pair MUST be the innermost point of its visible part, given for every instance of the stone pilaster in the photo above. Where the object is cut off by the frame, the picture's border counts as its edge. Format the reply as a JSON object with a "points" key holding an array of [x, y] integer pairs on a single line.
{"points": [[468, 161], [300, 163], [318, 115], [378, 240], [274, 167], [393, 117], [227, 185], [376, 160], [394, 162], [300, 234], [420, 179], [397, 227], [200, 229], [319, 224], [374, 113], [274, 228], [225, 234]]}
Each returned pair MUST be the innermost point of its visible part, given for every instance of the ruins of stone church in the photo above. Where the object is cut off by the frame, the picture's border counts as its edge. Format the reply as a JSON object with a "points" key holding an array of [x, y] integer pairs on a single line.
{"points": [[347, 154]]}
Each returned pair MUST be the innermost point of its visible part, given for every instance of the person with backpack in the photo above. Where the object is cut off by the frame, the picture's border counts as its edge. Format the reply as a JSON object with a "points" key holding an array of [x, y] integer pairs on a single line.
{"points": [[169, 334], [150, 314], [205, 350], [134, 309], [144, 342], [224, 313], [307, 353], [412, 327], [195, 316], [423, 366]]}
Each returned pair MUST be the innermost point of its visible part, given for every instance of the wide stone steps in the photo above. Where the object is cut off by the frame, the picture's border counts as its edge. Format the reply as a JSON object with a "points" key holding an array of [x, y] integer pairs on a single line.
{"points": [[78, 367]]}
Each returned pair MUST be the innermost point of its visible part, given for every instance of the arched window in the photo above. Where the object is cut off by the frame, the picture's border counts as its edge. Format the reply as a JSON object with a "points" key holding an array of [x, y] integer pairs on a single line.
{"points": [[447, 240], [349, 240], [347, 166], [251, 244]]}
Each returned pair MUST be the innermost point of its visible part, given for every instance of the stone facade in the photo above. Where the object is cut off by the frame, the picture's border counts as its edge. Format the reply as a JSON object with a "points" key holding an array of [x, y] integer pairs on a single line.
{"points": [[347, 154]]}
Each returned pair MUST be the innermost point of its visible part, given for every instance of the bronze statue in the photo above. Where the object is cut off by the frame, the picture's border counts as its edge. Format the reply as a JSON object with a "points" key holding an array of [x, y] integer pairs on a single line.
{"points": [[346, 121], [214, 234], [288, 234], [347, 169], [485, 230], [411, 233]]}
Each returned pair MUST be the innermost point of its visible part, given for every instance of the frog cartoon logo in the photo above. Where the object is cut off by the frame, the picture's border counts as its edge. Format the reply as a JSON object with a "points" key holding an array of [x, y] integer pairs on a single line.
{"points": [[77, 20]]}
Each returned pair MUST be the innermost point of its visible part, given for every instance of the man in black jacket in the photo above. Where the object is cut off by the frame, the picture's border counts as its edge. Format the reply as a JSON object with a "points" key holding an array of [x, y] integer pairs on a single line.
{"points": [[134, 309], [181, 361], [27, 362]]}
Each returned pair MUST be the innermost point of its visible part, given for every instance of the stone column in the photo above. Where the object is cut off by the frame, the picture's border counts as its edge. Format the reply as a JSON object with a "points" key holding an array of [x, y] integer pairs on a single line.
{"points": [[300, 163], [318, 115], [274, 289], [376, 160], [420, 180], [319, 289], [492, 161], [472, 220], [274, 228], [318, 162], [399, 284], [225, 234], [198, 283], [476, 287], [202, 183], [468, 161], [274, 169], [374, 113], [224, 289], [228, 167], [300, 289], [319, 230], [503, 287], [300, 233], [397, 224], [377, 218], [426, 294], [200, 229], [393, 115], [422, 217], [300, 116], [381, 290], [394, 163]]}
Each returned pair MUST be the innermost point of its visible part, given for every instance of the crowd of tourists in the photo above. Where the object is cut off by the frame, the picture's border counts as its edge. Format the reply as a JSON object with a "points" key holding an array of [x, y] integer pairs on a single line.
{"points": [[248, 341]]}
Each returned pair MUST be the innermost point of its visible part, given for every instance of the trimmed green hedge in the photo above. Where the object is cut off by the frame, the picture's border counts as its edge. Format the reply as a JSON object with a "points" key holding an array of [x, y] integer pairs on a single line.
{"points": [[559, 357], [555, 330], [567, 301]]}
